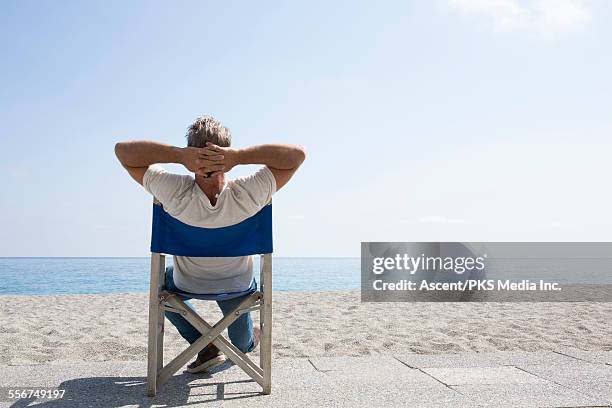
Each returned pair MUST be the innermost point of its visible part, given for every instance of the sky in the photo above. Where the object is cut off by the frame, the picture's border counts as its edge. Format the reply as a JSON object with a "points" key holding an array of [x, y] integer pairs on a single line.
{"points": [[449, 120]]}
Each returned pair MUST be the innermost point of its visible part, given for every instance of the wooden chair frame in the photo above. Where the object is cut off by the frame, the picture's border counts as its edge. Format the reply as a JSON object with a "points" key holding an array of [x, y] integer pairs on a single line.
{"points": [[161, 300]]}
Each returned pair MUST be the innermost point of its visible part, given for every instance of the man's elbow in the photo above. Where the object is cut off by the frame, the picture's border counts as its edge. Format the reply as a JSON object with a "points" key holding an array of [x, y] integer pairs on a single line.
{"points": [[120, 151], [299, 155]]}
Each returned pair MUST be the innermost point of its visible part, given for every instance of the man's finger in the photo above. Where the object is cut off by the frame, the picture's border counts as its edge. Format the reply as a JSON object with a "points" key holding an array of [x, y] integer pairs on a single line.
{"points": [[207, 162], [212, 146], [210, 152], [214, 157]]}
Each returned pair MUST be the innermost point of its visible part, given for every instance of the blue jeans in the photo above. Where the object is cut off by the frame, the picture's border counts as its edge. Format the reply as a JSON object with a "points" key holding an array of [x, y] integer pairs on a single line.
{"points": [[240, 332]]}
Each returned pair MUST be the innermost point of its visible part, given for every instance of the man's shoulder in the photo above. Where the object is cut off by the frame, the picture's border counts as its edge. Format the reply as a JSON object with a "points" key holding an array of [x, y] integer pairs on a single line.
{"points": [[166, 185], [162, 175], [252, 192], [256, 180]]}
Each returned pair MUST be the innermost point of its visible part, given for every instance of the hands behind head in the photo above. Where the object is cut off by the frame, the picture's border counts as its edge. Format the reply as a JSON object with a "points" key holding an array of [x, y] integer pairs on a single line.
{"points": [[227, 156], [209, 161], [200, 161]]}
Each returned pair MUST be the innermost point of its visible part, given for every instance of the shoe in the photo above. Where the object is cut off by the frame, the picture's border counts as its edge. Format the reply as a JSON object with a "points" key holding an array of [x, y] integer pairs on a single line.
{"points": [[208, 358]]}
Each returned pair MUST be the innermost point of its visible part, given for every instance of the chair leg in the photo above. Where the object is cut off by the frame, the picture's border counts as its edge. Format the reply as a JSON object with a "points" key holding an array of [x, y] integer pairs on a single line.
{"points": [[156, 324], [160, 338], [265, 318], [152, 351]]}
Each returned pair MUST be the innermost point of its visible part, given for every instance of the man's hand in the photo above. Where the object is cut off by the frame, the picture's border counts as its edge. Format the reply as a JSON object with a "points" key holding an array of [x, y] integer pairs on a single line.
{"points": [[202, 161], [228, 156]]}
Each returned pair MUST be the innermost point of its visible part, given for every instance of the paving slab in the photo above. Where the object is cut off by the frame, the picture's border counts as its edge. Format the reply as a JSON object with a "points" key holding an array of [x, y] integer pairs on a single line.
{"points": [[482, 375], [598, 357], [356, 363], [568, 374], [286, 375], [280, 399], [289, 390], [50, 374], [448, 360], [107, 384], [344, 371], [390, 394], [597, 389], [528, 395], [402, 395], [406, 378], [514, 358]]}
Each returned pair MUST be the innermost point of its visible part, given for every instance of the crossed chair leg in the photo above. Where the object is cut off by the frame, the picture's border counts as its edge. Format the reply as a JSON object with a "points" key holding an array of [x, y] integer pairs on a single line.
{"points": [[210, 334]]}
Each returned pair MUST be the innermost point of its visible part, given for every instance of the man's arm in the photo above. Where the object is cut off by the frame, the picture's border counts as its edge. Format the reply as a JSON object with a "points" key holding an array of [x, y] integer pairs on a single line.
{"points": [[137, 156], [283, 160]]}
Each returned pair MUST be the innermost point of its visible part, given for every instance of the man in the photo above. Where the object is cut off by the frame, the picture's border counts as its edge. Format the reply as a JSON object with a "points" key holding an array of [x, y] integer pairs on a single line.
{"points": [[209, 200]]}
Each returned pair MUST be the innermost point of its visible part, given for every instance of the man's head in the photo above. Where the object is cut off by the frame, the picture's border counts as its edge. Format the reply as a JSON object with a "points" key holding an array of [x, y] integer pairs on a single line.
{"points": [[208, 129]]}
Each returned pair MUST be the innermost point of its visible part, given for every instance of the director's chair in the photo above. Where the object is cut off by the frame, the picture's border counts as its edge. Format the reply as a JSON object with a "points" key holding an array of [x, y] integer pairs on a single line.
{"points": [[173, 237]]}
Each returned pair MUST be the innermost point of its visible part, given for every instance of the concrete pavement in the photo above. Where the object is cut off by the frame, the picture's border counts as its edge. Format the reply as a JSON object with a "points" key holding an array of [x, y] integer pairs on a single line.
{"points": [[542, 379]]}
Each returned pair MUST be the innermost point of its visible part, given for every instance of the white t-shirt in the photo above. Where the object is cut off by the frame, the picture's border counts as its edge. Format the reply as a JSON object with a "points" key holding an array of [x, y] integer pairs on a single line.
{"points": [[183, 199]]}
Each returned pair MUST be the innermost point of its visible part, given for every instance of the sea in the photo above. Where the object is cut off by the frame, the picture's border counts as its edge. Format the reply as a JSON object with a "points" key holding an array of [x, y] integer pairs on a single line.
{"points": [[58, 276]]}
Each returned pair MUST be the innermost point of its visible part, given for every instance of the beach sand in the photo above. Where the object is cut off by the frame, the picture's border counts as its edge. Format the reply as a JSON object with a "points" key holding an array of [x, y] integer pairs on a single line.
{"points": [[40, 329]]}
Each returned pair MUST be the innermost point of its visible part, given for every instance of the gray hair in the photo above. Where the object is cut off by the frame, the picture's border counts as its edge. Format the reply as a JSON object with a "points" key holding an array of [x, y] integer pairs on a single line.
{"points": [[208, 129]]}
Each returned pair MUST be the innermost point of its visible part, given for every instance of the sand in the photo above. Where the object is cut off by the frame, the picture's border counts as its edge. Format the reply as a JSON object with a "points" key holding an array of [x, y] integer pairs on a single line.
{"points": [[40, 329]]}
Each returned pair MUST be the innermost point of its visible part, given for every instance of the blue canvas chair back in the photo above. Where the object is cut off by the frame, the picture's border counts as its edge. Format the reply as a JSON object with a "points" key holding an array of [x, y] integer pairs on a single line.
{"points": [[250, 237]]}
